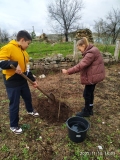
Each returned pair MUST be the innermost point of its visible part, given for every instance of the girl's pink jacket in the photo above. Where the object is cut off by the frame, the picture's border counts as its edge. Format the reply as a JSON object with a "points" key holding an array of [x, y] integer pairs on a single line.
{"points": [[91, 67]]}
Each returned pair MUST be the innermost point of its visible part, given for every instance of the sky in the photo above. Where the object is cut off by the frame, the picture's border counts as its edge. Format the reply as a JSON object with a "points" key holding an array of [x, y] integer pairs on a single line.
{"points": [[17, 15]]}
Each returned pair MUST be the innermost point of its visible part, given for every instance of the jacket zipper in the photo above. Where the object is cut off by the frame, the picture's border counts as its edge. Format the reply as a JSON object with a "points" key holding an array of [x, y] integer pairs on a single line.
{"points": [[24, 60]]}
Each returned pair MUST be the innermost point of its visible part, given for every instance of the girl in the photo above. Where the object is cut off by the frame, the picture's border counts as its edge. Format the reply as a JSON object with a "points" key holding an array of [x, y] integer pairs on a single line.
{"points": [[92, 71]]}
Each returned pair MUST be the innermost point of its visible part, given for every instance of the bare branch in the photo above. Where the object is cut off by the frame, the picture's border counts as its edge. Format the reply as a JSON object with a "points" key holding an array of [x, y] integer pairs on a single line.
{"points": [[66, 13], [110, 26]]}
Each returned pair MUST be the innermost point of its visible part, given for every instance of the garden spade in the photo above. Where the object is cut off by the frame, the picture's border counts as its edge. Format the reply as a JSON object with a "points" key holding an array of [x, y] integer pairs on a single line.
{"points": [[51, 97]]}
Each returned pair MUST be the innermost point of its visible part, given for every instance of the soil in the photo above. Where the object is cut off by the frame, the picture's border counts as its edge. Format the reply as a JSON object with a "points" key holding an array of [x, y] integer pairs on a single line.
{"points": [[46, 137], [53, 111]]}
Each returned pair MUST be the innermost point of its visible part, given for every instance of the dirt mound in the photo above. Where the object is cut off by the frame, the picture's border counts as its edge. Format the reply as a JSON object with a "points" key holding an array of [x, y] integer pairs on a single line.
{"points": [[57, 112]]}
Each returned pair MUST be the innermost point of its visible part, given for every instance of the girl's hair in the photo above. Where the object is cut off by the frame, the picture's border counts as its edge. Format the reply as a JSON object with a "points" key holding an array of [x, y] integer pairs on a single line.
{"points": [[82, 41], [24, 34]]}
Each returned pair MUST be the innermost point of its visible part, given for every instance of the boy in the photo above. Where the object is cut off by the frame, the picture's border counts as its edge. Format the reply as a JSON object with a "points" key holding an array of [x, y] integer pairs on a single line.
{"points": [[14, 53]]}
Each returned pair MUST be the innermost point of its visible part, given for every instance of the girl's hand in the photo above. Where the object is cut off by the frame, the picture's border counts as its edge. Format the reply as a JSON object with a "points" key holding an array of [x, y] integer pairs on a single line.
{"points": [[35, 84], [64, 71]]}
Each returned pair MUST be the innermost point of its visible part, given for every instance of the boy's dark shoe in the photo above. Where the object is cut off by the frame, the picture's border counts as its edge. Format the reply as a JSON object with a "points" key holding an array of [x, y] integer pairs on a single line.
{"points": [[91, 112], [34, 113], [83, 113], [16, 130]]}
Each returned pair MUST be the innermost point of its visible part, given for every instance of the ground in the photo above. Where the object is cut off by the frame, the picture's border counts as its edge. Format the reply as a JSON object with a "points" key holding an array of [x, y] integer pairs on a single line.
{"points": [[46, 137]]}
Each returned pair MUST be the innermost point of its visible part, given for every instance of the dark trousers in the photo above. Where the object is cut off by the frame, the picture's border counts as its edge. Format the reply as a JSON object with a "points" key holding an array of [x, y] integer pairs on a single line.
{"points": [[88, 95], [14, 97]]}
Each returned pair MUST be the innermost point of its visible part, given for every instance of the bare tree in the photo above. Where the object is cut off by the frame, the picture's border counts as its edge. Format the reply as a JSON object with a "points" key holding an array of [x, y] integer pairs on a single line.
{"points": [[113, 24], [109, 27], [13, 36], [4, 36], [65, 15], [99, 28]]}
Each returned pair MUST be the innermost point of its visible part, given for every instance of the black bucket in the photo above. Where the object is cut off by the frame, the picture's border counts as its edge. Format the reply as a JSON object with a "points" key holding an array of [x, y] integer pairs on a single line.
{"points": [[77, 128]]}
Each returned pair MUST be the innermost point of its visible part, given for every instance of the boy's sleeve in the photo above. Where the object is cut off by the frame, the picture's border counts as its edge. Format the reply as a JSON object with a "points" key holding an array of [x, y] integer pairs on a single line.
{"points": [[4, 64], [30, 75], [5, 61]]}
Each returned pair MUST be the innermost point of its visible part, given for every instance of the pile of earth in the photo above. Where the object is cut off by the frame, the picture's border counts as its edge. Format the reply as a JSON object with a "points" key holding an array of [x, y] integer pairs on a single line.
{"points": [[52, 112]]}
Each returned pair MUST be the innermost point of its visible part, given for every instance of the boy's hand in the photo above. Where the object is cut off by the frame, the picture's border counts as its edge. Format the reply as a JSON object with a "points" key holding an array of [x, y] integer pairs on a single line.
{"points": [[64, 71], [18, 69], [35, 84]]}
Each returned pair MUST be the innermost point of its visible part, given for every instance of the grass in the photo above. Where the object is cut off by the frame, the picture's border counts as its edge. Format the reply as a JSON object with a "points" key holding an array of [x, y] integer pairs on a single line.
{"points": [[42, 49], [38, 49], [106, 48], [4, 148]]}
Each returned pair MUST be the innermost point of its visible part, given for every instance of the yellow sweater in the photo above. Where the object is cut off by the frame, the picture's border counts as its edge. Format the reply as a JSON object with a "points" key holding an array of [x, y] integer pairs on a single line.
{"points": [[13, 52]]}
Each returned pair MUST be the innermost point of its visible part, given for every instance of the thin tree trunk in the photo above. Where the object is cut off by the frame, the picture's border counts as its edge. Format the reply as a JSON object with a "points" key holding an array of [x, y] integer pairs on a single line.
{"points": [[66, 37]]}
